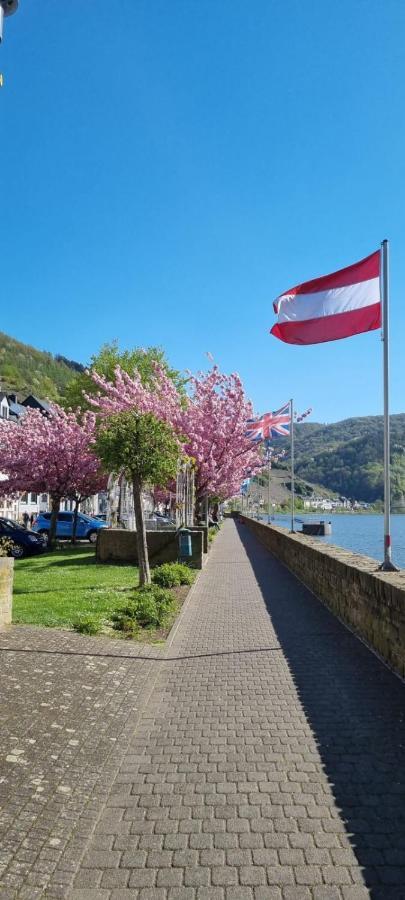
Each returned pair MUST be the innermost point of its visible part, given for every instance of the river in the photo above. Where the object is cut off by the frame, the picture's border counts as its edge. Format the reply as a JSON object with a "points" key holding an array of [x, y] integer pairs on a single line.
{"points": [[362, 533]]}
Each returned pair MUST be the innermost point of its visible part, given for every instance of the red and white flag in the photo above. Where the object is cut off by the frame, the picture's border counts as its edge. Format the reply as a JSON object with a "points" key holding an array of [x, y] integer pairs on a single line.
{"points": [[335, 306]]}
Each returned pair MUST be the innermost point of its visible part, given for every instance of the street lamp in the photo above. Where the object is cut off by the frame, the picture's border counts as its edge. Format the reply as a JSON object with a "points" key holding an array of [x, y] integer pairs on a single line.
{"points": [[7, 8]]}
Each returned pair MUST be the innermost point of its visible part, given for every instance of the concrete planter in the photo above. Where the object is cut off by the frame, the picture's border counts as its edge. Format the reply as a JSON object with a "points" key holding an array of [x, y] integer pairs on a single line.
{"points": [[119, 545], [6, 590]]}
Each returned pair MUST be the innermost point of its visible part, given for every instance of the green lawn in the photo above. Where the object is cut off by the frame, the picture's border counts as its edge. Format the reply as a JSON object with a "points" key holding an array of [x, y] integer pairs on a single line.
{"points": [[53, 589]]}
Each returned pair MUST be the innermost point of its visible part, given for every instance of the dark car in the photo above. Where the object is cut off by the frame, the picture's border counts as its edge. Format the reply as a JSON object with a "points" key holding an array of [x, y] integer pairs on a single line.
{"points": [[24, 542]]}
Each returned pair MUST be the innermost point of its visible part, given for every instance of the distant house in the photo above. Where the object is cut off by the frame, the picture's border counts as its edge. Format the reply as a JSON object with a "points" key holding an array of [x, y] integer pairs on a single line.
{"points": [[16, 409], [7, 506], [4, 406], [36, 403]]}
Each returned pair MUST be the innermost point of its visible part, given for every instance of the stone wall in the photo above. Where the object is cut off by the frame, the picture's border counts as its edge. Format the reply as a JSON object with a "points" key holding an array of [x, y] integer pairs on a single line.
{"points": [[372, 603], [6, 590], [119, 545]]}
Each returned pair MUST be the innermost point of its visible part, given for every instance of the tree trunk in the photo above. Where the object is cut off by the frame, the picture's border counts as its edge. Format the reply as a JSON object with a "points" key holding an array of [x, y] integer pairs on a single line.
{"points": [[55, 506], [74, 529], [143, 559]]}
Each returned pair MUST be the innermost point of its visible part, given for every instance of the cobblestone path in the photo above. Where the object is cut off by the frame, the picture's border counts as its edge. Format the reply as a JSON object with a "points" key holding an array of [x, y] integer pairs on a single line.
{"points": [[262, 759], [270, 761], [68, 707]]}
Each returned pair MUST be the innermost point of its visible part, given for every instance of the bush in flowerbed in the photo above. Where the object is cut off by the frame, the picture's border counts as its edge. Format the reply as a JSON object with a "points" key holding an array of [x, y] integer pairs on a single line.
{"points": [[151, 607], [172, 575], [87, 624]]}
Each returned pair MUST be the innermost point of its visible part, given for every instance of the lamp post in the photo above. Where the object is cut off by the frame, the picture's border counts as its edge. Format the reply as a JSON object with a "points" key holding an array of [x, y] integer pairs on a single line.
{"points": [[7, 8]]}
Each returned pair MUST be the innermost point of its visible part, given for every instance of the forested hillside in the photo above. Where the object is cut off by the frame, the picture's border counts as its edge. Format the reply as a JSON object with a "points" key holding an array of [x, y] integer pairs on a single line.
{"points": [[347, 457], [25, 370]]}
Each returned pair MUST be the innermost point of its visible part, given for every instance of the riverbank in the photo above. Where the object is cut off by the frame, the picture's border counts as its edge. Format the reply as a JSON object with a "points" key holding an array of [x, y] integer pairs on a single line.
{"points": [[359, 532]]}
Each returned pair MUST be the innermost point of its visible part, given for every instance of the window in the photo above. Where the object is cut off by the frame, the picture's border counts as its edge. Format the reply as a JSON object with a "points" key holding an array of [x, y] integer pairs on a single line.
{"points": [[24, 498], [44, 498], [4, 411], [65, 517], [34, 498]]}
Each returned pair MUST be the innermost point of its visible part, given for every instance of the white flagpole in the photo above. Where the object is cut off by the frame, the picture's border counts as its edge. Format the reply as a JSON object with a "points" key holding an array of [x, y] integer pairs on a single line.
{"points": [[292, 464], [268, 484], [387, 565]]}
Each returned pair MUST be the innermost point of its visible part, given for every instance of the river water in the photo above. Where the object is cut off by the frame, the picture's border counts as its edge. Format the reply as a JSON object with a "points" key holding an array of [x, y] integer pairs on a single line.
{"points": [[361, 533]]}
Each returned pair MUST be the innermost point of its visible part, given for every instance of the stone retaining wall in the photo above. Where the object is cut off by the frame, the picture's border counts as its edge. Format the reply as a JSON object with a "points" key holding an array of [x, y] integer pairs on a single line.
{"points": [[372, 603], [119, 545], [6, 590]]}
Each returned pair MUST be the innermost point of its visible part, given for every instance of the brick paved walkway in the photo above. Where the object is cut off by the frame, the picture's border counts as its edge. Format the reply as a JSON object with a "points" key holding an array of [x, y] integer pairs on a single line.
{"points": [[68, 708], [270, 760], [267, 764]]}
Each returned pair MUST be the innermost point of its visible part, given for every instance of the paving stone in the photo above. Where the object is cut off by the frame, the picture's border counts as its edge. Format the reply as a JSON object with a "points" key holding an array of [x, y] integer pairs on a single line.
{"points": [[331, 893], [170, 877], [239, 893], [210, 893], [224, 875]]}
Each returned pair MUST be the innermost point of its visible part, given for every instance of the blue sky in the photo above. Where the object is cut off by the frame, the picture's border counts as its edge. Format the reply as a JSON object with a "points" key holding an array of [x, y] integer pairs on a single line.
{"points": [[168, 168]]}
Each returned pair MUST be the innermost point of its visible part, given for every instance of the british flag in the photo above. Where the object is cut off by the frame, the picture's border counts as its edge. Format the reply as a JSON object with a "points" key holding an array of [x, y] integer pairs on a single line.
{"points": [[270, 424]]}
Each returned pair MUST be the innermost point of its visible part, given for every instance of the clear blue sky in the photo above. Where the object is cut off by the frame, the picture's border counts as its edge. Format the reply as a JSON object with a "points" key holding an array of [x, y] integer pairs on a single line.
{"points": [[168, 168]]}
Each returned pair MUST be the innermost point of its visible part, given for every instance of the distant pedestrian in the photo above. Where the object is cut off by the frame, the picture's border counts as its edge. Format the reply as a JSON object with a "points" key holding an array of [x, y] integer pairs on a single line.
{"points": [[32, 519], [26, 519]]}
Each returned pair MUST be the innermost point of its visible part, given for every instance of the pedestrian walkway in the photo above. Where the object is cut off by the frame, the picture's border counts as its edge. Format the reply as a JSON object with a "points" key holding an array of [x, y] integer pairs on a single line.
{"points": [[269, 760], [68, 709]]}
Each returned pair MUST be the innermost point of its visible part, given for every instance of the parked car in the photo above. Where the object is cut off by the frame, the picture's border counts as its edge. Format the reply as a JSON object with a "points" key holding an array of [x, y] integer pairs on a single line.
{"points": [[87, 527], [158, 520], [25, 542]]}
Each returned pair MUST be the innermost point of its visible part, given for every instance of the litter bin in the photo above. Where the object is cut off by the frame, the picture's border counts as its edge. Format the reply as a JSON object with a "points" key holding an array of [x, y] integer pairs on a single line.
{"points": [[185, 545]]}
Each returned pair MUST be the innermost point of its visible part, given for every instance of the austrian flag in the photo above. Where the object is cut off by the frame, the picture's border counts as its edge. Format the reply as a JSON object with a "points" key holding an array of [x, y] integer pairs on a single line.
{"points": [[332, 307]]}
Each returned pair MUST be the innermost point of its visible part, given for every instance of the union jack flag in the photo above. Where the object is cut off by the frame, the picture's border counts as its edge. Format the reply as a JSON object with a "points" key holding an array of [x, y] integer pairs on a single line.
{"points": [[270, 424]]}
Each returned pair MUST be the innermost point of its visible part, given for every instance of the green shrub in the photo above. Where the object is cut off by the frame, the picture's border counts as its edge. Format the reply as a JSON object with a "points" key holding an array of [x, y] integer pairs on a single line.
{"points": [[150, 608], [212, 532], [124, 622], [87, 624], [172, 574]]}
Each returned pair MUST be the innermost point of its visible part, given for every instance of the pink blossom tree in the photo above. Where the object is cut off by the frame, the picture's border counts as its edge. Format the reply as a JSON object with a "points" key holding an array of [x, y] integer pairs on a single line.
{"points": [[211, 421], [159, 396], [215, 422], [51, 454]]}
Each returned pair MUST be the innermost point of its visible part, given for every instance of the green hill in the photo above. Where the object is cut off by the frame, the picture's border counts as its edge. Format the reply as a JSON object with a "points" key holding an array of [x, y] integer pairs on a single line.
{"points": [[25, 370], [347, 457]]}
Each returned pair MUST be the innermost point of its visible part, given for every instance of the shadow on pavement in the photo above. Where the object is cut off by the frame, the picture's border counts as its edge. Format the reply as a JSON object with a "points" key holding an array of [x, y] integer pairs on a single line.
{"points": [[356, 709]]}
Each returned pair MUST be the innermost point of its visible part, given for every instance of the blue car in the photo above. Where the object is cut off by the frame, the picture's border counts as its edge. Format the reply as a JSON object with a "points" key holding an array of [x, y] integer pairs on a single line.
{"points": [[87, 527], [24, 542]]}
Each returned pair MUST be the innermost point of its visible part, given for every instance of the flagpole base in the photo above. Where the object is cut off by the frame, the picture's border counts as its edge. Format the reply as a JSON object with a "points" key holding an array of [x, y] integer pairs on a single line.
{"points": [[388, 566]]}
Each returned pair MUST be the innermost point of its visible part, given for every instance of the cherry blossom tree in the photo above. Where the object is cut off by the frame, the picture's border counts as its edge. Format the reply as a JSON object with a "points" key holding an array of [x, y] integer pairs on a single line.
{"points": [[50, 453], [210, 421], [215, 424], [160, 396]]}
